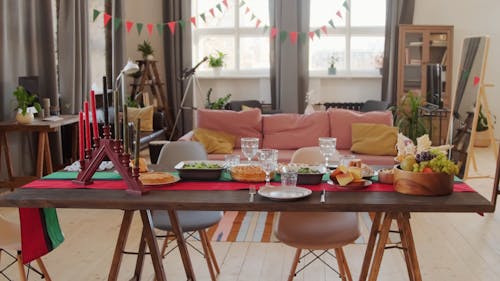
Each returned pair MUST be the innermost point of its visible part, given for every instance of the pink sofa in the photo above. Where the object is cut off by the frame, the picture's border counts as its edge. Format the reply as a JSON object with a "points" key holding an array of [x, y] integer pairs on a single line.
{"points": [[287, 132]]}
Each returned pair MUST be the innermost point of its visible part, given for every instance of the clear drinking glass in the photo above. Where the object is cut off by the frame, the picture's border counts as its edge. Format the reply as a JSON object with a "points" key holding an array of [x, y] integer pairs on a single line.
{"points": [[268, 159], [249, 147], [327, 147]]}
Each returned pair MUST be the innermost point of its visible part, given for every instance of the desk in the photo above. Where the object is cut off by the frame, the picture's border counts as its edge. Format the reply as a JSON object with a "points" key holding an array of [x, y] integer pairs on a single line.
{"points": [[43, 149], [390, 204]]}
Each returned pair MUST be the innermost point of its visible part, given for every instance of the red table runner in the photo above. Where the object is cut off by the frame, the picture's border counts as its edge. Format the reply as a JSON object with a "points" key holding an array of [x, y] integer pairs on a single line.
{"points": [[216, 185]]}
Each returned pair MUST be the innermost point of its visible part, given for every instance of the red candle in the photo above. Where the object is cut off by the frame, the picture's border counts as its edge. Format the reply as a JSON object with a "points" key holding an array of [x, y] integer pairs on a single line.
{"points": [[80, 136], [87, 124], [94, 115]]}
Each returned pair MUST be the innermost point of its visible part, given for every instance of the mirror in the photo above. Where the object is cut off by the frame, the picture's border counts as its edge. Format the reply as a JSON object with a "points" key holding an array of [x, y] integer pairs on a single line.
{"points": [[470, 74]]}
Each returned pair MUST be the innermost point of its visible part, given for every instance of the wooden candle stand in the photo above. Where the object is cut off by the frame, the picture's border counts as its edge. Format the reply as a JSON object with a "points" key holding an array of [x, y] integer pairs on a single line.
{"points": [[111, 148]]}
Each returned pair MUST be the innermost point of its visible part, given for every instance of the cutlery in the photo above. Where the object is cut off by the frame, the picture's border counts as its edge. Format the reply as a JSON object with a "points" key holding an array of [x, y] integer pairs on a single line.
{"points": [[322, 198], [252, 190]]}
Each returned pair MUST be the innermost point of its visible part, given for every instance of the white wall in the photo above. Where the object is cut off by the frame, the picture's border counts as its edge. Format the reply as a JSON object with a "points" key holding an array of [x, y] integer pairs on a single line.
{"points": [[469, 18]]}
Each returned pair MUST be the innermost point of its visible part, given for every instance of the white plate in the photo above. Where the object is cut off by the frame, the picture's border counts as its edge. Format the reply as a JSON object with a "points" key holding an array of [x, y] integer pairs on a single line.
{"points": [[283, 193], [352, 185]]}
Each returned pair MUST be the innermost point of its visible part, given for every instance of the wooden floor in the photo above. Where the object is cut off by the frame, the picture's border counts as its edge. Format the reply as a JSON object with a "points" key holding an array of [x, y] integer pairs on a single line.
{"points": [[458, 247]]}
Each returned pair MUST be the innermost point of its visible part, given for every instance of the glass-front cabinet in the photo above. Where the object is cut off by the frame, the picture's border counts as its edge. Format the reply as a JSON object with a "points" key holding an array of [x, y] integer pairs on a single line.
{"points": [[425, 66]]}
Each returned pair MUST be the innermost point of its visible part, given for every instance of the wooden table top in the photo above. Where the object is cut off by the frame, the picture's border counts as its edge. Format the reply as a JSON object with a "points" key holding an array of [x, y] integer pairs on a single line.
{"points": [[239, 201], [38, 124]]}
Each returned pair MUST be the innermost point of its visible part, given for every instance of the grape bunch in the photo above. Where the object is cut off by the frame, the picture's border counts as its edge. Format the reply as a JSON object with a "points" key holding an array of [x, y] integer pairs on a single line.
{"points": [[424, 156], [435, 160]]}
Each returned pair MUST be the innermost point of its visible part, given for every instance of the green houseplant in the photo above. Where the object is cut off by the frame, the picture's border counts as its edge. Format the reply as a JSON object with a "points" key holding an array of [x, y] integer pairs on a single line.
{"points": [[220, 103], [482, 138], [408, 119], [26, 105], [332, 70], [146, 49], [216, 61]]}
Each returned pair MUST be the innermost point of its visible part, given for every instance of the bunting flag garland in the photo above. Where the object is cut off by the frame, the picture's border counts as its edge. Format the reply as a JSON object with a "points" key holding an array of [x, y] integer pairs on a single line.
{"points": [[476, 80], [293, 36]]}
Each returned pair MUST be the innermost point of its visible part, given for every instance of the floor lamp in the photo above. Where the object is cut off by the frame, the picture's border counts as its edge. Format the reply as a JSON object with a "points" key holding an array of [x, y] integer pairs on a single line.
{"points": [[189, 74]]}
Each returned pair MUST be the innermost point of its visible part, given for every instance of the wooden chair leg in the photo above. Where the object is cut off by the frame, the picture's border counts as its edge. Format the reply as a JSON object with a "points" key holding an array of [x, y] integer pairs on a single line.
{"points": [[212, 254], [20, 267], [346, 266], [204, 243], [340, 263], [294, 264], [43, 269]]}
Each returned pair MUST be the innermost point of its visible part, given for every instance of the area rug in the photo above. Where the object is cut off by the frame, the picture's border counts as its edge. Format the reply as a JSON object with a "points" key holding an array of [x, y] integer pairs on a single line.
{"points": [[241, 226]]}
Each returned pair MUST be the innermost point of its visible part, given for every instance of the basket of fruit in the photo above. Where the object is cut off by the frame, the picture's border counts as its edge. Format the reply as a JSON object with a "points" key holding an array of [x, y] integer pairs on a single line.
{"points": [[427, 173]]}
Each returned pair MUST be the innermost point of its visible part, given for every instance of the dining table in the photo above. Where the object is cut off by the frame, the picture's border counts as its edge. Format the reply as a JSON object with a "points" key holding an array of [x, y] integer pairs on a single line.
{"points": [[380, 199]]}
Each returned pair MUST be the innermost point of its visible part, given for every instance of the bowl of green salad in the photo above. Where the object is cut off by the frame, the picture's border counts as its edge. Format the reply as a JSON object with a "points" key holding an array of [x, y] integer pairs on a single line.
{"points": [[200, 170]]}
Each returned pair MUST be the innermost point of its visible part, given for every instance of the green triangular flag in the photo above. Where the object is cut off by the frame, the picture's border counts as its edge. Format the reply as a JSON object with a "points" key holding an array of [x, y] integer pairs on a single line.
{"points": [[117, 22], [139, 27], [303, 37], [331, 23], [346, 5], [266, 27], [253, 17], [182, 23], [202, 15], [159, 26], [317, 31], [242, 3], [283, 35], [219, 7], [96, 14]]}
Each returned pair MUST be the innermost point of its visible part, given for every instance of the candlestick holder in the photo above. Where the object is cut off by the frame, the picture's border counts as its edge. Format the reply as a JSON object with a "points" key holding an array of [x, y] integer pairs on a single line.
{"points": [[108, 147]]}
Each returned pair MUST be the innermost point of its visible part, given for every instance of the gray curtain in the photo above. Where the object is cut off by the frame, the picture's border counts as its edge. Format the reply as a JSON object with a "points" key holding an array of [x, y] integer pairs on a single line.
{"points": [[289, 62], [74, 69], [26, 49], [177, 51], [397, 12]]}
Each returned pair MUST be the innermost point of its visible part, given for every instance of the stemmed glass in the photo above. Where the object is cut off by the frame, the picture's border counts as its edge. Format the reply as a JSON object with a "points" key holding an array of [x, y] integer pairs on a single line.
{"points": [[268, 159], [327, 147], [249, 147]]}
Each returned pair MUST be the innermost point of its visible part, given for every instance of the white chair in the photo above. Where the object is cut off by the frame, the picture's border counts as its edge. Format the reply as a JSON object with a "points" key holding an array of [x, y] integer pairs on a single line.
{"points": [[315, 230], [10, 239], [171, 154]]}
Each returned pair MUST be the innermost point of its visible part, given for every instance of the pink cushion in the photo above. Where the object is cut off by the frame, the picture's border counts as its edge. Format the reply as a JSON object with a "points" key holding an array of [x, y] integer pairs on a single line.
{"points": [[341, 121], [238, 123], [291, 131]]}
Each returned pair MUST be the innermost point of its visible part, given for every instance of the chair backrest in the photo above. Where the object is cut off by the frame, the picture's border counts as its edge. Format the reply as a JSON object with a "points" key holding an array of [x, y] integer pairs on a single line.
{"points": [[10, 234], [177, 151], [374, 105], [308, 155]]}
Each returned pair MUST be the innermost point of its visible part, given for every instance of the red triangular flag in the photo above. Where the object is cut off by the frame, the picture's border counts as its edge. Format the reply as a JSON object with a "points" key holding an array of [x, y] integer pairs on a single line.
{"points": [[476, 80], [212, 12], [274, 31], [323, 28], [293, 37], [247, 10], [171, 26], [311, 35], [149, 26], [339, 14], [225, 3], [257, 23], [129, 25], [106, 18], [193, 21]]}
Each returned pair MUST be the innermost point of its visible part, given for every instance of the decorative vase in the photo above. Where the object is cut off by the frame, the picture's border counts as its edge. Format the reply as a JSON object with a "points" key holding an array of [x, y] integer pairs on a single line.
{"points": [[332, 71], [482, 139], [217, 70], [150, 57], [26, 118]]}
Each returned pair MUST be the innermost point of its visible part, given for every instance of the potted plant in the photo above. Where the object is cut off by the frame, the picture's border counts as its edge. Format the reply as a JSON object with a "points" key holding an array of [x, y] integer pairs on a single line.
{"points": [[216, 61], [379, 62], [220, 103], [26, 105], [332, 70], [408, 119], [482, 138], [146, 49]]}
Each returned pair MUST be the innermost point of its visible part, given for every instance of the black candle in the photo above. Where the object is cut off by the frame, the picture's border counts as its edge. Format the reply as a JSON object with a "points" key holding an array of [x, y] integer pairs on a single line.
{"points": [[137, 145], [105, 100]]}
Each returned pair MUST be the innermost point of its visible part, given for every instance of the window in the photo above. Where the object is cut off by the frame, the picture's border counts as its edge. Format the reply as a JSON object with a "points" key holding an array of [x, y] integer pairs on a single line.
{"points": [[233, 32], [97, 45], [357, 41]]}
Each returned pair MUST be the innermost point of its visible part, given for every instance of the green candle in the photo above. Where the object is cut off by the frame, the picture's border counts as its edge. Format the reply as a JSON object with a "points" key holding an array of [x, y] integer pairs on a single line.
{"points": [[125, 130], [137, 142]]}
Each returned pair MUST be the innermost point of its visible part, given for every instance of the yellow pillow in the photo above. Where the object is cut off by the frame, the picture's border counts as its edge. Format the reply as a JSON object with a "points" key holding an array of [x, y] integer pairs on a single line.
{"points": [[374, 139], [215, 141], [246, 108], [145, 114]]}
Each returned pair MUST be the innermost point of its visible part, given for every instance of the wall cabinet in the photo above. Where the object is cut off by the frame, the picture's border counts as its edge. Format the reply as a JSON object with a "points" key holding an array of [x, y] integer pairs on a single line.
{"points": [[423, 49]]}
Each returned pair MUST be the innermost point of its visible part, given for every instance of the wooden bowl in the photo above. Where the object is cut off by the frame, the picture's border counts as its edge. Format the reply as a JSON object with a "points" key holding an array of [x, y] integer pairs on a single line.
{"points": [[430, 184], [386, 176]]}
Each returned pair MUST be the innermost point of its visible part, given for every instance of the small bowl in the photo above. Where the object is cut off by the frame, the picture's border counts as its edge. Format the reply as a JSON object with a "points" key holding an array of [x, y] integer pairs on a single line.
{"points": [[386, 176], [309, 178]]}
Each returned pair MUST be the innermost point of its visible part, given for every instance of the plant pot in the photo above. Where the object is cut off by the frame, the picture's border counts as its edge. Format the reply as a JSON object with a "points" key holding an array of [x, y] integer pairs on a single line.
{"points": [[429, 184], [217, 70], [332, 71], [150, 57], [482, 139], [26, 118]]}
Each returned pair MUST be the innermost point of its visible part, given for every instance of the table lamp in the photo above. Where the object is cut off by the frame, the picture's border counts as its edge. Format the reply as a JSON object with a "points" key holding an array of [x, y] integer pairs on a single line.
{"points": [[129, 68]]}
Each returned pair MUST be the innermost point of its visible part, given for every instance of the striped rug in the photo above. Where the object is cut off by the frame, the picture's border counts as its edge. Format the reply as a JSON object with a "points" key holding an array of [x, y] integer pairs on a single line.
{"points": [[241, 226]]}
